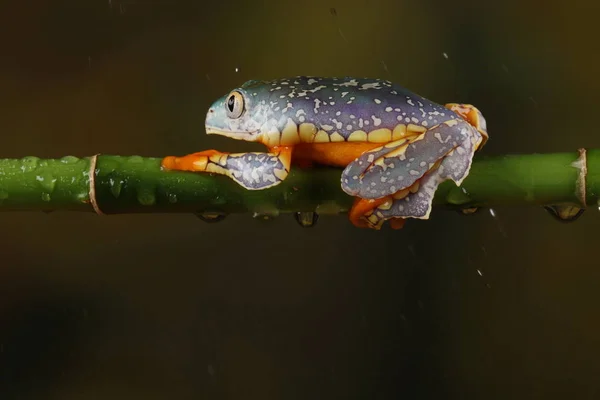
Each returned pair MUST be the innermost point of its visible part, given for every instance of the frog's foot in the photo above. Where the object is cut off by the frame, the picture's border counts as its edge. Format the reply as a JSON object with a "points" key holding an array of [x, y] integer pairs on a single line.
{"points": [[363, 208], [409, 171], [253, 170], [197, 162], [474, 117]]}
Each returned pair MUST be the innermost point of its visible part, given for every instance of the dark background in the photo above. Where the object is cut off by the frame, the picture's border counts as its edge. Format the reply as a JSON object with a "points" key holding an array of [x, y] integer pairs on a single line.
{"points": [[492, 306]]}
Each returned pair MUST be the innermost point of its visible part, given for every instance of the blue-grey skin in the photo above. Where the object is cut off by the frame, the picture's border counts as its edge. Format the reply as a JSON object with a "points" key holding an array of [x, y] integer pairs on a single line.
{"points": [[341, 105], [255, 171], [275, 111]]}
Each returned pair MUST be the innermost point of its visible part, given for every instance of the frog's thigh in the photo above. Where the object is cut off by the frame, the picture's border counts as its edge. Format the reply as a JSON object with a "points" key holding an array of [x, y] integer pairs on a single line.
{"points": [[449, 156], [397, 165]]}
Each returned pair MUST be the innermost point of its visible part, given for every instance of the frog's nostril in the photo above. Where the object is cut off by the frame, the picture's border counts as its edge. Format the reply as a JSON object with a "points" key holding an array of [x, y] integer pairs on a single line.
{"points": [[211, 111]]}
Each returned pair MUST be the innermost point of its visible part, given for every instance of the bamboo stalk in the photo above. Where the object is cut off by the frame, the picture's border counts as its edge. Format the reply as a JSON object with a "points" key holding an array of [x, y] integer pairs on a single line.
{"points": [[110, 184]]}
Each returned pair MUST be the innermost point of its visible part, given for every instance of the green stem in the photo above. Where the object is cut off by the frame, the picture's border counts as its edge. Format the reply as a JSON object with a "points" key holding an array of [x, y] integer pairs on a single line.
{"points": [[137, 185]]}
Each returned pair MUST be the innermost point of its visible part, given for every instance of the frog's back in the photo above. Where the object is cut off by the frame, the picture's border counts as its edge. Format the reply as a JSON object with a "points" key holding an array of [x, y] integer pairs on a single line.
{"points": [[349, 109]]}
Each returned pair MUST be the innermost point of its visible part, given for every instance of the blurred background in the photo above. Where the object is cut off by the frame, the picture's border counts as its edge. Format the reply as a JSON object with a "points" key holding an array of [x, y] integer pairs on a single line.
{"points": [[497, 305]]}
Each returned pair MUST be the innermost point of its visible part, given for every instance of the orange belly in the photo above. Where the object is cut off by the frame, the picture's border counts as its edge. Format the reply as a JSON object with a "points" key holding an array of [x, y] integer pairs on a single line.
{"points": [[336, 154]]}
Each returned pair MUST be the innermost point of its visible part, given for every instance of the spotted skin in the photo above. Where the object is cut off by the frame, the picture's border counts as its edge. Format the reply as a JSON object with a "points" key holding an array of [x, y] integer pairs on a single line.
{"points": [[455, 165], [397, 165], [392, 140]]}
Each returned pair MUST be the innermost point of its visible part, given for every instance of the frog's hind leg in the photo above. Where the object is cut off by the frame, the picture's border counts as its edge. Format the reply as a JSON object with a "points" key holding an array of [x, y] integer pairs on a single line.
{"points": [[253, 170], [398, 180]]}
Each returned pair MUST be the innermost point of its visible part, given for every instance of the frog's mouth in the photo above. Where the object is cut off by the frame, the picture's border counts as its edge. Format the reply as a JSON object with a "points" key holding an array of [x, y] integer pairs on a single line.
{"points": [[238, 135]]}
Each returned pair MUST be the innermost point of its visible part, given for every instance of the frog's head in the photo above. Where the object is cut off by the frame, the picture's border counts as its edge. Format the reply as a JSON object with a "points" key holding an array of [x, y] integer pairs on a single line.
{"points": [[239, 114]]}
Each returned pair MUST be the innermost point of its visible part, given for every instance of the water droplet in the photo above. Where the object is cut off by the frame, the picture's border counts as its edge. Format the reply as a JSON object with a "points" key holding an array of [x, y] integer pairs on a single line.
{"points": [[47, 182], [492, 212], [172, 198], [29, 163], [565, 213], [146, 198], [115, 187], [306, 219], [469, 210], [328, 208], [211, 217], [135, 160], [46, 196], [266, 215], [69, 160]]}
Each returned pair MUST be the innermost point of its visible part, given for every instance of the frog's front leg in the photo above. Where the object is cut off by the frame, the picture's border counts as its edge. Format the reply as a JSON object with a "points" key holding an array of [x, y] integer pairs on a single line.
{"points": [[252, 170], [398, 180]]}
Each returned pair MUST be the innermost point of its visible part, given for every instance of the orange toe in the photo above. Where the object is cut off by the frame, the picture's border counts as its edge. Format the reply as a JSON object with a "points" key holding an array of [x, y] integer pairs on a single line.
{"points": [[361, 207]]}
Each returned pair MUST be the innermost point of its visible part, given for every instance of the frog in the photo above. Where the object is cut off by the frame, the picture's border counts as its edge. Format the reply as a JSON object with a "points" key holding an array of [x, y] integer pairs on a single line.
{"points": [[393, 146]]}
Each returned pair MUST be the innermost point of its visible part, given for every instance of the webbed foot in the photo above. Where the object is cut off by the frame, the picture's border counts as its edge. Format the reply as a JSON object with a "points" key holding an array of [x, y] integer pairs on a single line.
{"points": [[253, 170]]}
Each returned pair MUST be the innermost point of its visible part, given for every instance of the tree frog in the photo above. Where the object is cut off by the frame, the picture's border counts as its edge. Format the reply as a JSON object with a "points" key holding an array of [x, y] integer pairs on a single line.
{"points": [[395, 147]]}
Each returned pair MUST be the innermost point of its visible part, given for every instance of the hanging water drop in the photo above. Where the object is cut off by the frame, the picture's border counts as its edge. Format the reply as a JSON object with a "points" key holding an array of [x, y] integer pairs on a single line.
{"points": [[565, 213], [210, 217], [469, 210], [306, 219], [266, 215]]}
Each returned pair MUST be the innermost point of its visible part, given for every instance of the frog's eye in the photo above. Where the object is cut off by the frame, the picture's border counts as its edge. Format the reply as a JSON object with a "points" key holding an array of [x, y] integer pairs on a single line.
{"points": [[235, 105]]}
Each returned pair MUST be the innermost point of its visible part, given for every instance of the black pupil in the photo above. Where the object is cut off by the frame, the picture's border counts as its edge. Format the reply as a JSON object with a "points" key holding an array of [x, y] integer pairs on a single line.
{"points": [[230, 103]]}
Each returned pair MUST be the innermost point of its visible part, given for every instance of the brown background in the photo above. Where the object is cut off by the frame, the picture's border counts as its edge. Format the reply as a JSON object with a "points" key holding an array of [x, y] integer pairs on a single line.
{"points": [[152, 306]]}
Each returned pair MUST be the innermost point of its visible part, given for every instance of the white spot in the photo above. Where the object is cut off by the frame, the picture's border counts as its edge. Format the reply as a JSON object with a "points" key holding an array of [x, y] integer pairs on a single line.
{"points": [[376, 121], [338, 113], [317, 105], [377, 101], [348, 127], [312, 81], [409, 101], [445, 55], [327, 127], [374, 85], [388, 109]]}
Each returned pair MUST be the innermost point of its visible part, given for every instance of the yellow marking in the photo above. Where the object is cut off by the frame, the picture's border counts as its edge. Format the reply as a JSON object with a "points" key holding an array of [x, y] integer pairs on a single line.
{"points": [[336, 137], [412, 128], [280, 174], [398, 152], [373, 219], [451, 122], [400, 194], [358, 136], [321, 137], [289, 135], [382, 135], [415, 187], [395, 143], [201, 164], [307, 132], [399, 132], [417, 138], [385, 206], [271, 138]]}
